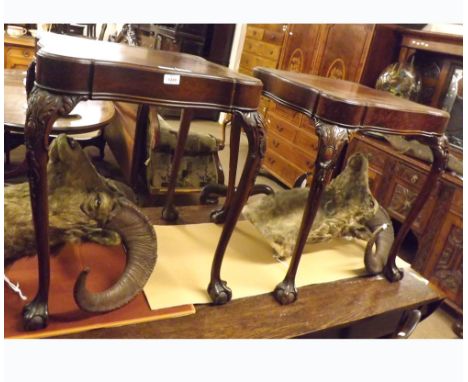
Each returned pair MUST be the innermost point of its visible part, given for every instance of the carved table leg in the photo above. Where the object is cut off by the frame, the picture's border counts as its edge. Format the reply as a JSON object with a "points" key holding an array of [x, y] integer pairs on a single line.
{"points": [[331, 142], [169, 213], [253, 127], [43, 109], [439, 147], [219, 216]]}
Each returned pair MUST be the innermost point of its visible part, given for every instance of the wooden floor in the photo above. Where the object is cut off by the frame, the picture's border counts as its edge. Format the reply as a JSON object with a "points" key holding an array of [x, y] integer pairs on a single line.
{"points": [[437, 326]]}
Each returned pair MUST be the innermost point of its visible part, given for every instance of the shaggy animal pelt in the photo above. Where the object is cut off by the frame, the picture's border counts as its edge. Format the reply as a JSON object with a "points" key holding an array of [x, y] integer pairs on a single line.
{"points": [[83, 206], [345, 206]]}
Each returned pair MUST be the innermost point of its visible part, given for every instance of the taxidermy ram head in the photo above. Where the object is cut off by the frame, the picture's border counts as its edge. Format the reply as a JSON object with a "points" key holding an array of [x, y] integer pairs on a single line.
{"points": [[347, 208], [83, 206]]}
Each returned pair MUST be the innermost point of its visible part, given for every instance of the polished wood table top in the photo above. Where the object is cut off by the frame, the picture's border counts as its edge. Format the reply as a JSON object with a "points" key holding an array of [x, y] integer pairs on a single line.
{"points": [[75, 65], [363, 307], [349, 104], [85, 117]]}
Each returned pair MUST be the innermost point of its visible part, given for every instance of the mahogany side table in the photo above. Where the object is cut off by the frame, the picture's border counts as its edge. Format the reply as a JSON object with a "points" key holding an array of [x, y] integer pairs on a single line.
{"points": [[70, 69], [337, 107]]}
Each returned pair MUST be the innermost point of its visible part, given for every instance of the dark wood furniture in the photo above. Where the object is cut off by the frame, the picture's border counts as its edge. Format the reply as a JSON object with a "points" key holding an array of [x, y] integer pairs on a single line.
{"points": [[439, 226], [70, 70], [437, 55], [353, 52], [85, 124], [366, 307], [335, 107], [18, 52], [210, 41]]}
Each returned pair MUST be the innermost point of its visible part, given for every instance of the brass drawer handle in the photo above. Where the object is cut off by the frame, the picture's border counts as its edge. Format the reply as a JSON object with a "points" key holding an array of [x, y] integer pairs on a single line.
{"points": [[279, 128], [26, 53], [275, 144], [414, 179]]}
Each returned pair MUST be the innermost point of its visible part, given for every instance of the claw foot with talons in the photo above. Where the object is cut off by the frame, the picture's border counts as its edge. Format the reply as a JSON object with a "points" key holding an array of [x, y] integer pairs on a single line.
{"points": [[219, 292], [285, 293], [35, 315], [392, 273], [170, 214]]}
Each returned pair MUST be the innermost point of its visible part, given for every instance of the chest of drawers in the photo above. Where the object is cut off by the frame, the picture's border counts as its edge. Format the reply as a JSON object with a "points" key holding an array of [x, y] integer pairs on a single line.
{"points": [[18, 52]]}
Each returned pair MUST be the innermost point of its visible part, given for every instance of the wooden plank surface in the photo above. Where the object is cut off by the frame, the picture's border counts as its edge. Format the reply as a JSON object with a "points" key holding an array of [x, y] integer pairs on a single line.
{"points": [[358, 302]]}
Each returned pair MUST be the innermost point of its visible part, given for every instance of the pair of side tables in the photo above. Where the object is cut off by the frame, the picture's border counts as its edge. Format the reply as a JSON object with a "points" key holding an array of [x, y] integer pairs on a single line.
{"points": [[69, 70]]}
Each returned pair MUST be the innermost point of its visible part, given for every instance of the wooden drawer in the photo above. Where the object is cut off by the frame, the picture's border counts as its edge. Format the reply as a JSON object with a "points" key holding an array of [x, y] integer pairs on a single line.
{"points": [[308, 124], [281, 168], [17, 57], [278, 145], [284, 112], [273, 37], [16, 51], [305, 161], [250, 61], [262, 49], [409, 175], [291, 152], [279, 126], [254, 33], [376, 157], [307, 141]]}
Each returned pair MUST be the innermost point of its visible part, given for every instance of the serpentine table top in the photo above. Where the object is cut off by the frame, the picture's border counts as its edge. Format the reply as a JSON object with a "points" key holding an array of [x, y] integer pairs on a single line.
{"points": [[102, 70], [350, 104]]}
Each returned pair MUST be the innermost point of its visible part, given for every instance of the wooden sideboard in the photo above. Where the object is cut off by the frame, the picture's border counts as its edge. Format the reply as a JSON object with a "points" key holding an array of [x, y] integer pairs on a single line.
{"points": [[18, 52], [438, 228]]}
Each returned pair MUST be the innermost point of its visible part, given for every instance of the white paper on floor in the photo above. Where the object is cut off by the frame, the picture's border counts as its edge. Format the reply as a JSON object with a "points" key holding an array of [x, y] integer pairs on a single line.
{"points": [[185, 253]]}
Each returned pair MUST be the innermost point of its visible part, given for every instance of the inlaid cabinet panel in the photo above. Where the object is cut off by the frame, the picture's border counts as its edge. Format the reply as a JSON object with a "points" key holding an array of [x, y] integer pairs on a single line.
{"points": [[301, 47], [446, 268], [345, 50]]}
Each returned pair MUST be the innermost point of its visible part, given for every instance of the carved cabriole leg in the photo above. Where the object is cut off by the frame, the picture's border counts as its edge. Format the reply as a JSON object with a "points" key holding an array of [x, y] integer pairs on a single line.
{"points": [[439, 147], [43, 109], [332, 139], [254, 129], [219, 216], [169, 213]]}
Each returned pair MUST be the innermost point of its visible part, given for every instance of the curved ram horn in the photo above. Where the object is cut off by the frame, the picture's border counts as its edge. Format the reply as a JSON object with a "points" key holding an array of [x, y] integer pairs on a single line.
{"points": [[383, 236], [139, 239]]}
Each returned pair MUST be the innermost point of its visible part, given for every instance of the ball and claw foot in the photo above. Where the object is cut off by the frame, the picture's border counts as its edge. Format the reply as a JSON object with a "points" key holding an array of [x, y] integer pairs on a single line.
{"points": [[218, 216], [392, 273], [219, 292], [285, 292], [35, 315], [170, 214]]}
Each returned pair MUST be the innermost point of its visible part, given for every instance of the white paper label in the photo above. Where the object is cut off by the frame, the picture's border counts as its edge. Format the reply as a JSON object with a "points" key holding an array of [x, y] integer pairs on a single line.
{"points": [[172, 79]]}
